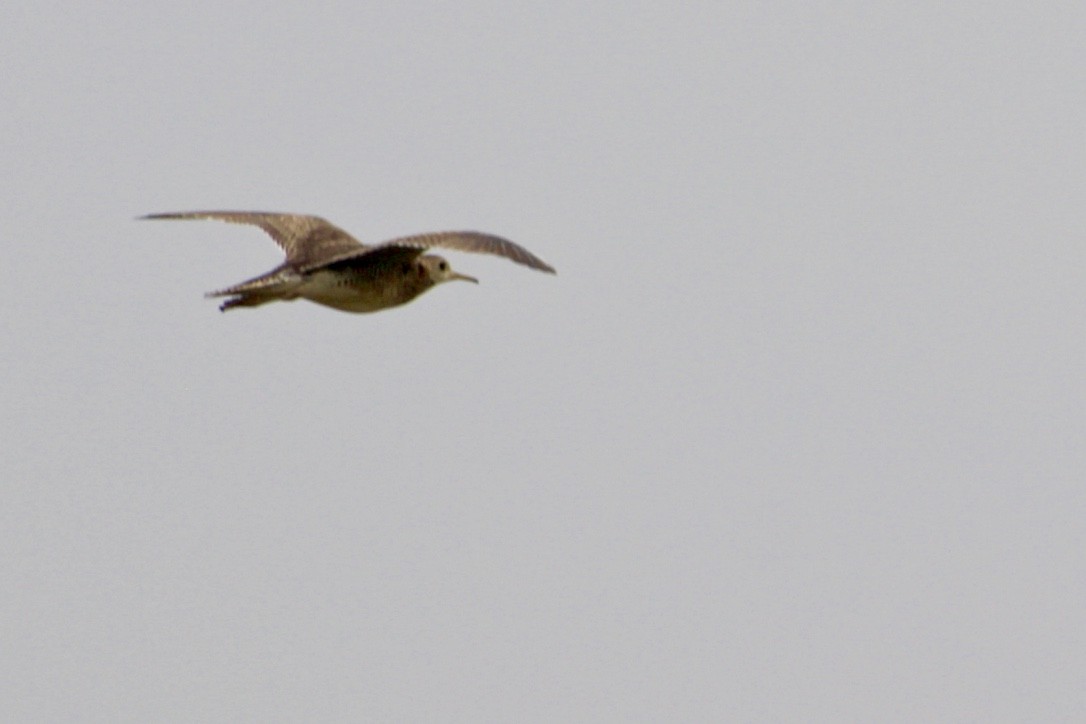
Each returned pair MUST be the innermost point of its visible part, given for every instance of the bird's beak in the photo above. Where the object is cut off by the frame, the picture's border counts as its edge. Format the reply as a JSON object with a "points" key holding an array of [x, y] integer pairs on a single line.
{"points": [[465, 278]]}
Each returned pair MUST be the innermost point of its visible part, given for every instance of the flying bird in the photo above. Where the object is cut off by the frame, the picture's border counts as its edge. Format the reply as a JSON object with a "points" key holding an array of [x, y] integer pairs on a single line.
{"points": [[326, 265]]}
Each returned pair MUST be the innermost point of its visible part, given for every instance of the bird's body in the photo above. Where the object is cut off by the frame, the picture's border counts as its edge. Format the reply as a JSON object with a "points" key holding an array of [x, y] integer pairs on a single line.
{"points": [[350, 287], [327, 266]]}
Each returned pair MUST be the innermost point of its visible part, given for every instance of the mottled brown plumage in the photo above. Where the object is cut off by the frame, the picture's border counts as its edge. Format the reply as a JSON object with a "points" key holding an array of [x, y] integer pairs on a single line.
{"points": [[326, 265]]}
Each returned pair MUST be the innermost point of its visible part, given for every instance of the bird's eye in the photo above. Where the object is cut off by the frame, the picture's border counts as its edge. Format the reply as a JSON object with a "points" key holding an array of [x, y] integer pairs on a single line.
{"points": [[443, 266]]}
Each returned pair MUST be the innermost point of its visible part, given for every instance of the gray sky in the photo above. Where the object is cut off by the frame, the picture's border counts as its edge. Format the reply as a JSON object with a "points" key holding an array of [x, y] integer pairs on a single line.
{"points": [[795, 434]]}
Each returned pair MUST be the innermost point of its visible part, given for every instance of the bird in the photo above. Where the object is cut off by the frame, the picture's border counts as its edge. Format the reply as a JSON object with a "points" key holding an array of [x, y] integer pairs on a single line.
{"points": [[326, 265]]}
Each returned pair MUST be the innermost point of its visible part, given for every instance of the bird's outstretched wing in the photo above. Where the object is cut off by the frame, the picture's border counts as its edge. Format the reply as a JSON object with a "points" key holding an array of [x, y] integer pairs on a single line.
{"points": [[307, 241], [471, 241]]}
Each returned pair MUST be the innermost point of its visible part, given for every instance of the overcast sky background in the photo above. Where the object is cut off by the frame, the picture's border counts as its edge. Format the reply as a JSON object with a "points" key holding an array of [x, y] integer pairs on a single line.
{"points": [[797, 432]]}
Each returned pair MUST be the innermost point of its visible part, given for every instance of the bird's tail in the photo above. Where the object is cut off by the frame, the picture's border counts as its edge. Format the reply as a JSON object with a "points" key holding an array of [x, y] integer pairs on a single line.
{"points": [[279, 283]]}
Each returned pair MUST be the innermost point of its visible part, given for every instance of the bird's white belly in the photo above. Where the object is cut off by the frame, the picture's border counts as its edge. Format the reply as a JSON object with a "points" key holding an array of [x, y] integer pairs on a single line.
{"points": [[359, 295]]}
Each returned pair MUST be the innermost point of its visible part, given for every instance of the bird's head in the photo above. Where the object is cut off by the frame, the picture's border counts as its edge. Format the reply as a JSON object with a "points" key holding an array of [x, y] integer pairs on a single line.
{"points": [[439, 270]]}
